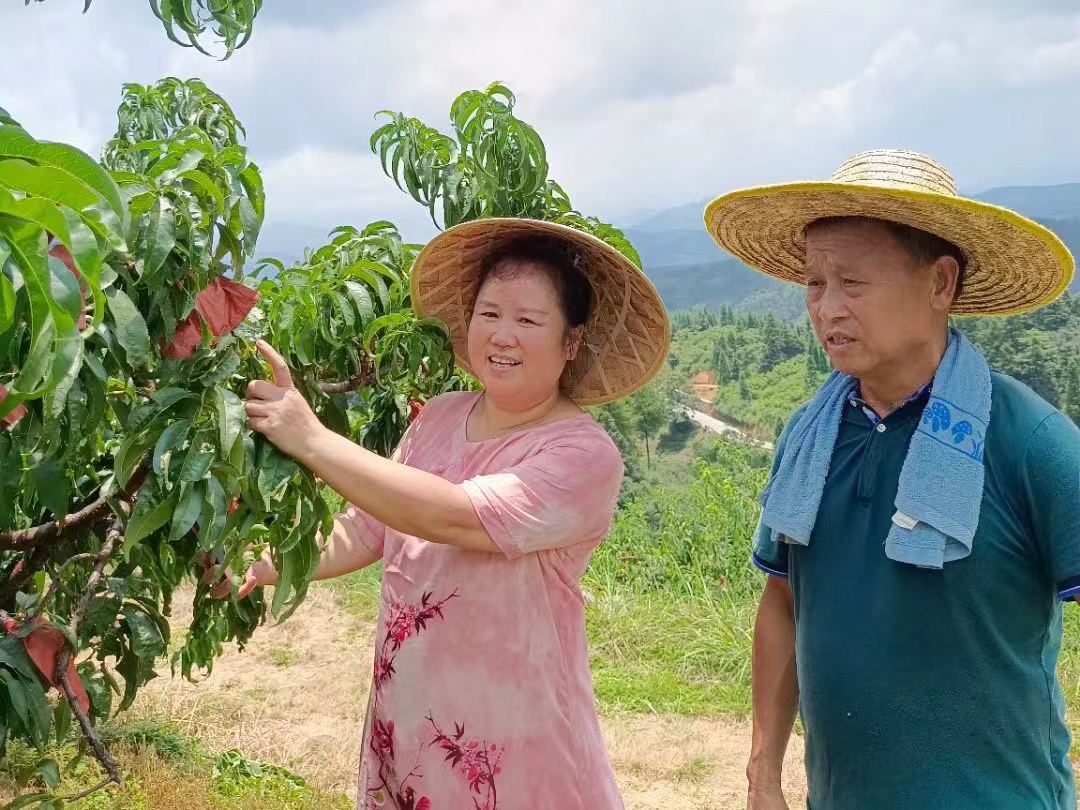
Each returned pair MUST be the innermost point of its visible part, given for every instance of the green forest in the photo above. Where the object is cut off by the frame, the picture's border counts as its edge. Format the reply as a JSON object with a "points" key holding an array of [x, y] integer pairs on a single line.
{"points": [[764, 365]]}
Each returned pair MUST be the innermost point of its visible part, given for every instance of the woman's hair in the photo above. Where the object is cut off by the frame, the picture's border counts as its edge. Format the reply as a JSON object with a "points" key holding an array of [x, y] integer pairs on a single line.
{"points": [[556, 259]]}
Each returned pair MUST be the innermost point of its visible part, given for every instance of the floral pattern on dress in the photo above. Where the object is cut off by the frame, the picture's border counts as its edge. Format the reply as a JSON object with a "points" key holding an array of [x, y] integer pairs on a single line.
{"points": [[477, 761], [405, 621]]}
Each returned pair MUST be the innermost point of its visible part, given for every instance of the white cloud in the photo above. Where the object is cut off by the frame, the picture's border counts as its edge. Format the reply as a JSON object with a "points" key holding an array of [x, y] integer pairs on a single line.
{"points": [[641, 104], [313, 185]]}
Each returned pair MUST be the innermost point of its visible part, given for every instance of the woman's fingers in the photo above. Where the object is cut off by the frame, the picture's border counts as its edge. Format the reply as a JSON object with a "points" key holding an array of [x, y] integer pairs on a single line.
{"points": [[260, 424], [261, 389], [258, 408], [249, 584], [223, 588], [281, 375]]}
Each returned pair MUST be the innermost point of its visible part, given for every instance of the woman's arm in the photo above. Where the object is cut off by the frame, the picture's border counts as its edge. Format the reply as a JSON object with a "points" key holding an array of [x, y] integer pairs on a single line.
{"points": [[343, 552], [409, 500], [412, 501]]}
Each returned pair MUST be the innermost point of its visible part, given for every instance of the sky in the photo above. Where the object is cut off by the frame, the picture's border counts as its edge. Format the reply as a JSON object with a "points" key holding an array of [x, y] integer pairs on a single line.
{"points": [[642, 105]]}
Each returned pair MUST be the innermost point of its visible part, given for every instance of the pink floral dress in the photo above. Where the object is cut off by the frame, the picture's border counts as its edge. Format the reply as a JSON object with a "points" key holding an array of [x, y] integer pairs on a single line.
{"points": [[482, 697]]}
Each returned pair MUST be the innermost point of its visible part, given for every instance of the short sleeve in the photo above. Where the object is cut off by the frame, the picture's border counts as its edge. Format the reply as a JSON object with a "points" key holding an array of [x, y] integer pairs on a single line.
{"points": [[368, 530], [769, 555], [563, 495], [1051, 477], [363, 527]]}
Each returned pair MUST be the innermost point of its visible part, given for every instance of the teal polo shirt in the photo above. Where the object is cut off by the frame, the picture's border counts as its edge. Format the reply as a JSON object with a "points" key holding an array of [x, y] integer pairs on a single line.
{"points": [[923, 688]]}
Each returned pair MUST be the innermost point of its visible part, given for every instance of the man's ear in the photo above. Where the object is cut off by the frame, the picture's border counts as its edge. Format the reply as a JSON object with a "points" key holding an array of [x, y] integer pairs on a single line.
{"points": [[945, 275]]}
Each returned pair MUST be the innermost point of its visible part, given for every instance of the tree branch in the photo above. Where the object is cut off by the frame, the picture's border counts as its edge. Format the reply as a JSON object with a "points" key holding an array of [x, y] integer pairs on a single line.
{"points": [[112, 541], [365, 377], [49, 533], [353, 384], [82, 794]]}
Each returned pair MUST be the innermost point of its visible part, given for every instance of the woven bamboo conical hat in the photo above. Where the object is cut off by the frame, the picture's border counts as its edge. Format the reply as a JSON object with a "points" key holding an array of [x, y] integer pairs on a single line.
{"points": [[1013, 264], [627, 334]]}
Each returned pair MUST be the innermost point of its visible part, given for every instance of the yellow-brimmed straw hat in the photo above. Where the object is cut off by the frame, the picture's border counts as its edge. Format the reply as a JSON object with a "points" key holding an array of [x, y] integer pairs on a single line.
{"points": [[627, 334], [1013, 264]]}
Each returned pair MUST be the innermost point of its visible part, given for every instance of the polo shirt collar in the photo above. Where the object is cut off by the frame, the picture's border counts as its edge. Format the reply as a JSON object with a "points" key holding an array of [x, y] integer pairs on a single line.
{"points": [[855, 400]]}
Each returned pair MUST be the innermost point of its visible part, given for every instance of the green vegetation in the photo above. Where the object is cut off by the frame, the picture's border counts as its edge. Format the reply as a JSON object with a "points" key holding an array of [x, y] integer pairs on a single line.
{"points": [[766, 366], [230, 20], [165, 771]]}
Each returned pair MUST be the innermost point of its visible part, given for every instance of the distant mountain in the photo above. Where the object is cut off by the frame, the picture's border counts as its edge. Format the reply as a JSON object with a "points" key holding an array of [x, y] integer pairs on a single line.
{"points": [[690, 270], [1037, 202]]}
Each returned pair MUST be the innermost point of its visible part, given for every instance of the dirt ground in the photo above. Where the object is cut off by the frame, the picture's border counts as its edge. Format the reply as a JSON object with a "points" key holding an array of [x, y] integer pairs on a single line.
{"points": [[297, 696], [704, 386]]}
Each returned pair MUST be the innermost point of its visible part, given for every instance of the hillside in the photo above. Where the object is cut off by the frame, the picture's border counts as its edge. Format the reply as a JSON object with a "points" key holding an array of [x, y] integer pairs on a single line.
{"points": [[689, 270]]}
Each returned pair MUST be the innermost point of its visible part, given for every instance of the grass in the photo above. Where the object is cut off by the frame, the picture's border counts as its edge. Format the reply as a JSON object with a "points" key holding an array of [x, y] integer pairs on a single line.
{"points": [[284, 657], [165, 771], [686, 656], [671, 595]]}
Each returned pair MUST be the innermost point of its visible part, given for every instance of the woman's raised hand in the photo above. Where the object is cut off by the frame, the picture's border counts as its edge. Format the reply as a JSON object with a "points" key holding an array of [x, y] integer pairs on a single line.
{"points": [[278, 411]]}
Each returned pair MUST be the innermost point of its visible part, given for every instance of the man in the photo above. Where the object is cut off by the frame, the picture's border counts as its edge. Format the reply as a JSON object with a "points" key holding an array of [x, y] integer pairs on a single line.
{"points": [[920, 528]]}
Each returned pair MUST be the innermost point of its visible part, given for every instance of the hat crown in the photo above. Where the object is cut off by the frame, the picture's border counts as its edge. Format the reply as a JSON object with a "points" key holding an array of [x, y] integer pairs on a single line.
{"points": [[896, 168]]}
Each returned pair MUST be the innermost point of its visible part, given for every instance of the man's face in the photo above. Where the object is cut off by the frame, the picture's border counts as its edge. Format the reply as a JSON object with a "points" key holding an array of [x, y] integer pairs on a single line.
{"points": [[873, 307]]}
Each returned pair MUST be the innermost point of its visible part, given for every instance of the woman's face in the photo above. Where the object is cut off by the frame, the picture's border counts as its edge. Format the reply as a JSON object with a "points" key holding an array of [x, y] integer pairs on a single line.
{"points": [[518, 337]]}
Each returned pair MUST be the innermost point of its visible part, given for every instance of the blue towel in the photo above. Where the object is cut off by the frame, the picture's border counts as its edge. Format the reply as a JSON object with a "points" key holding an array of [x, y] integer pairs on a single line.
{"points": [[941, 483]]}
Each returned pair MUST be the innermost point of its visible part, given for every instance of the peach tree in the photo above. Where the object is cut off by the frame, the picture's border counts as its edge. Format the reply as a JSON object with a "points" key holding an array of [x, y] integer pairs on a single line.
{"points": [[127, 326], [127, 329]]}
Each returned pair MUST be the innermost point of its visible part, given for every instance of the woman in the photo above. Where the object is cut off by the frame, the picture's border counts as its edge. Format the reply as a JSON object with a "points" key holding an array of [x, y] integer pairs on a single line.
{"points": [[485, 520]]}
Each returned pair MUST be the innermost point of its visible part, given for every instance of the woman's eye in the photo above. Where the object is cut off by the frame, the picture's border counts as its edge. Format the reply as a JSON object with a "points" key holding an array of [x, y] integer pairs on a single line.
{"points": [[488, 315], [851, 282], [527, 322], [813, 283]]}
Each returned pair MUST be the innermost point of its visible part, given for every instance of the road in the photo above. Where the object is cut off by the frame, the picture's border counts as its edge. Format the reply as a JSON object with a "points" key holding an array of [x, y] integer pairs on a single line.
{"points": [[719, 427]]}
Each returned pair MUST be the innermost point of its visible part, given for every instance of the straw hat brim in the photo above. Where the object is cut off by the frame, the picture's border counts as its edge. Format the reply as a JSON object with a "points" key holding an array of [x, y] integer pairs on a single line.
{"points": [[1013, 264], [626, 338]]}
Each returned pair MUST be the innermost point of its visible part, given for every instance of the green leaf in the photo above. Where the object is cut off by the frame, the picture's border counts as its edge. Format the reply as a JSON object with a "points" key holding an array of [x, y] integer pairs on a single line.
{"points": [[49, 770], [361, 299], [251, 222], [7, 303], [167, 397], [146, 640], [62, 720], [230, 415], [275, 472], [13, 656], [15, 142], [55, 343], [151, 512], [53, 487], [214, 514], [133, 449], [200, 456], [160, 236], [171, 440], [130, 328], [188, 508], [28, 800]]}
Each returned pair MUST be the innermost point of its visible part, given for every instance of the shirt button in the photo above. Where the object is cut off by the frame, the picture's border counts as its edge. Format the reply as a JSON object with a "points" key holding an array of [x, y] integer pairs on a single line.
{"points": [[880, 428]]}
